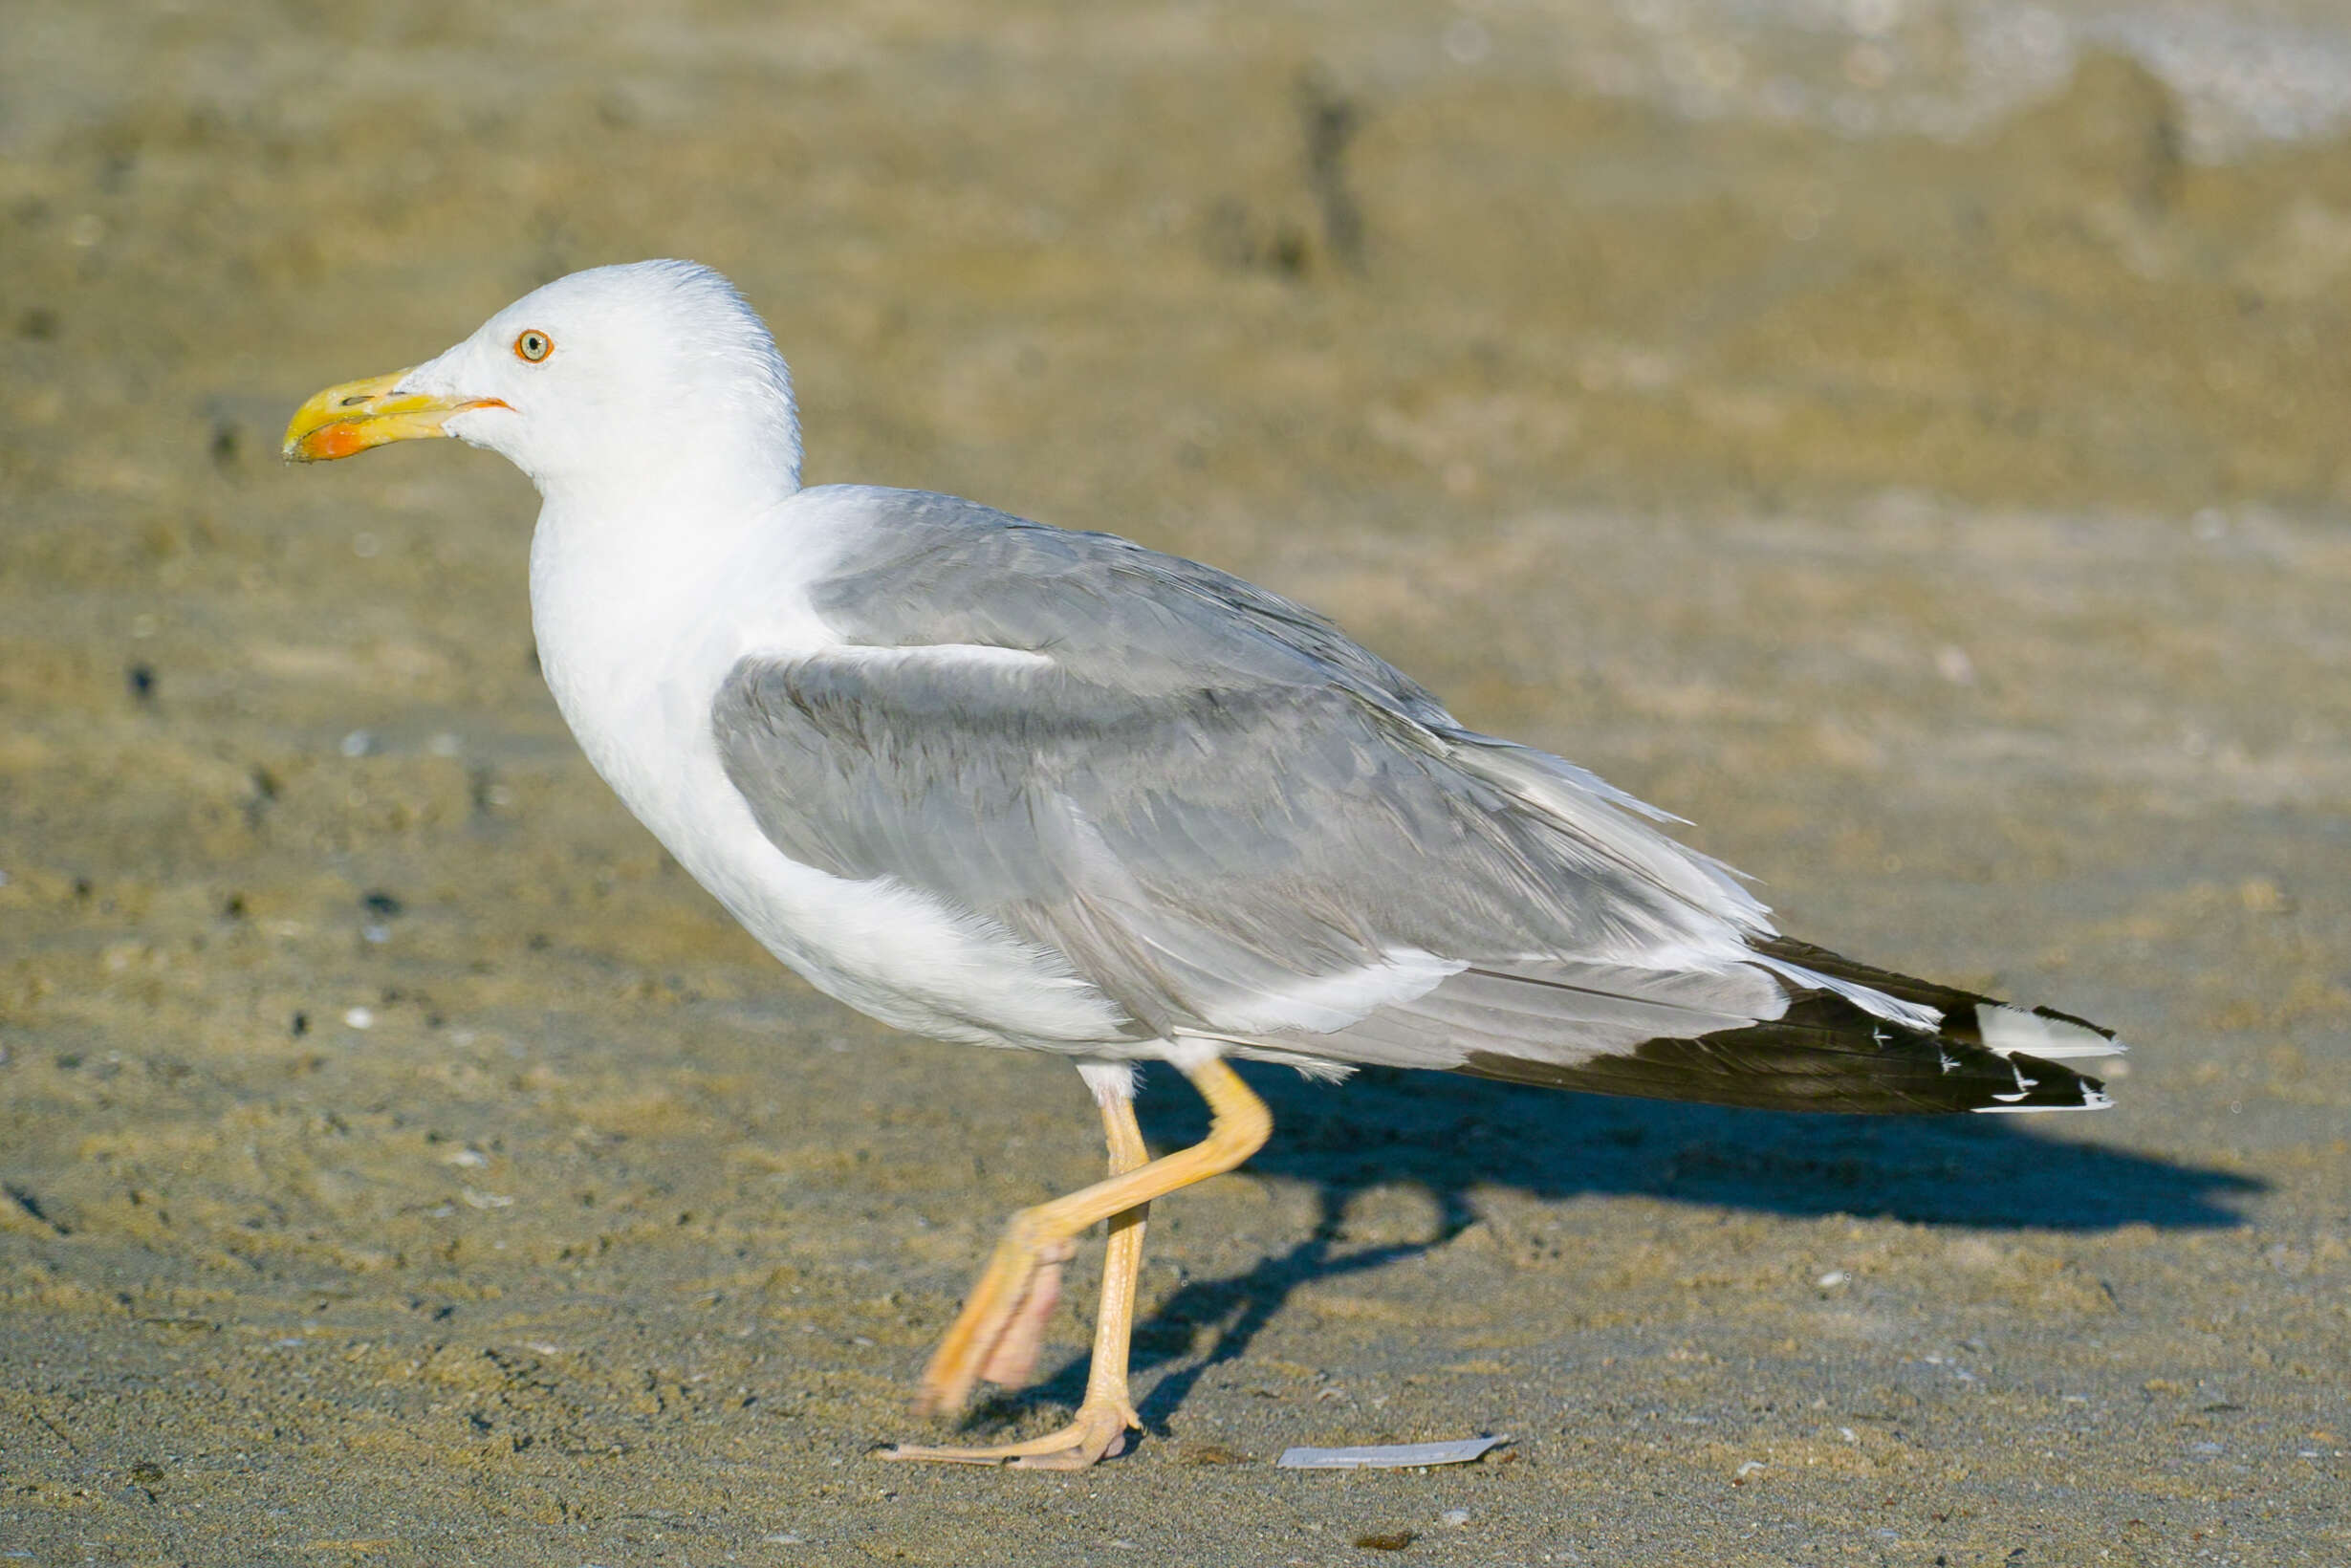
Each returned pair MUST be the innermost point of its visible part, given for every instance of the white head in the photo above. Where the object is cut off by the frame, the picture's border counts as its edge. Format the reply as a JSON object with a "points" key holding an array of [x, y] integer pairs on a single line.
{"points": [[620, 382]]}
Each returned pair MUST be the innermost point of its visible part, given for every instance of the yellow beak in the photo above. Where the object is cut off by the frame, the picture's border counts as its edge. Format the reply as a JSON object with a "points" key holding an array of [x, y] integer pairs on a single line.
{"points": [[356, 415]]}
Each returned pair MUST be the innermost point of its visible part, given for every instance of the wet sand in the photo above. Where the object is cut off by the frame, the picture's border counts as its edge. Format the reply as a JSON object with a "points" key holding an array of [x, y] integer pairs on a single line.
{"points": [[406, 1163]]}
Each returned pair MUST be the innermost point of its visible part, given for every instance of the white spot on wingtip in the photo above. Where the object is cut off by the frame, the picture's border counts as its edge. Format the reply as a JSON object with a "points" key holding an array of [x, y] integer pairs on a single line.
{"points": [[2091, 1100], [2010, 1030]]}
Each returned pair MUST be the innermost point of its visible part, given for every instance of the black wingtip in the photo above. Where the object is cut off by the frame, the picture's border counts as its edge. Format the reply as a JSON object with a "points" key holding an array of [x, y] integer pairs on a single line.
{"points": [[1826, 1054]]}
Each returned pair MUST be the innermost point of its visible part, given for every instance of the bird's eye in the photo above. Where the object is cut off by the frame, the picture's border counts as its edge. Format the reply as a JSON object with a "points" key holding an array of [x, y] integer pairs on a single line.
{"points": [[533, 345]]}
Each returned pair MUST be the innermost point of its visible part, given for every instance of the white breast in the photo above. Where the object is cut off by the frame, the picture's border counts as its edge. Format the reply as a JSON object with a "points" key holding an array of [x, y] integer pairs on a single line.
{"points": [[635, 641]]}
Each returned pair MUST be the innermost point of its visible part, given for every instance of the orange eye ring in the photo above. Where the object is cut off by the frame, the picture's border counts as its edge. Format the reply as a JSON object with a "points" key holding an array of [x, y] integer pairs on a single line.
{"points": [[533, 345]]}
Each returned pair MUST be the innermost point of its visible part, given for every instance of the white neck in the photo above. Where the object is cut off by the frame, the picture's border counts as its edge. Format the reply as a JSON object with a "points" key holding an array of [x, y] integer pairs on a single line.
{"points": [[618, 586]]}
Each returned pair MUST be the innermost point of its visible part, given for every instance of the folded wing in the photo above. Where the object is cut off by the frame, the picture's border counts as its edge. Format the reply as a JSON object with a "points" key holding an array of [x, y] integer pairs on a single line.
{"points": [[1236, 823]]}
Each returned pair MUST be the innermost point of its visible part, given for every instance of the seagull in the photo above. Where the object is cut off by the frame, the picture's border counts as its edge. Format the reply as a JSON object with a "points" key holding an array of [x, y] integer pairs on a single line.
{"points": [[1002, 783]]}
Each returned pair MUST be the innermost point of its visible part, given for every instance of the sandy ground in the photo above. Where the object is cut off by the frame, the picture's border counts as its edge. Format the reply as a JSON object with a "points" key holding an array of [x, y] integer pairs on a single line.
{"points": [[404, 1164]]}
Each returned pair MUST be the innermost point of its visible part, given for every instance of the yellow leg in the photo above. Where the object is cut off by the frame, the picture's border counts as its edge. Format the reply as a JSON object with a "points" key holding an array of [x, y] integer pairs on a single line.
{"points": [[997, 1335]]}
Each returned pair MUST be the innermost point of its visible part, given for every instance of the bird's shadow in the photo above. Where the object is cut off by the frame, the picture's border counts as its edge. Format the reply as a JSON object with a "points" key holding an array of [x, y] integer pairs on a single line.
{"points": [[1449, 1136]]}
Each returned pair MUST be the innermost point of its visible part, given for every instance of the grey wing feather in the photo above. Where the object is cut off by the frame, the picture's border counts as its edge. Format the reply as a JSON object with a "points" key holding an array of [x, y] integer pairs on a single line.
{"points": [[1211, 798], [937, 569]]}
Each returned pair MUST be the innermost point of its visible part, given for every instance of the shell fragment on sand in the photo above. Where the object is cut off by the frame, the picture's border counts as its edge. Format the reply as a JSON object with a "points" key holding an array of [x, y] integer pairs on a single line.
{"points": [[1390, 1455]]}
